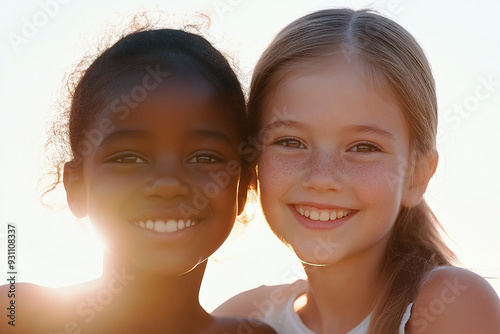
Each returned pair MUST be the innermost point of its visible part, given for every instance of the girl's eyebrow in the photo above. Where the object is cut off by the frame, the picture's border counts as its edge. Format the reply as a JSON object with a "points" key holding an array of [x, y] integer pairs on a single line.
{"points": [[282, 123], [200, 133], [367, 128], [120, 134], [364, 128], [212, 134]]}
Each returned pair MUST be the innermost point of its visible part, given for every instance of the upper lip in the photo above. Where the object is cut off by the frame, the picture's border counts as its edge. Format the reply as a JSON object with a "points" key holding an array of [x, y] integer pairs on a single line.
{"points": [[321, 206], [164, 214]]}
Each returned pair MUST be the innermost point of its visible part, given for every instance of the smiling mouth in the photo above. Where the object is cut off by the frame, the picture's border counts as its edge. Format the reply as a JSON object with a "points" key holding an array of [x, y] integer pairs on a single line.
{"points": [[322, 214], [165, 226]]}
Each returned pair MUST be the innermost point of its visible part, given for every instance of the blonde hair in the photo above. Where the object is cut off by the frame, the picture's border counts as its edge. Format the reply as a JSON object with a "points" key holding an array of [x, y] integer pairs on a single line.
{"points": [[393, 62]]}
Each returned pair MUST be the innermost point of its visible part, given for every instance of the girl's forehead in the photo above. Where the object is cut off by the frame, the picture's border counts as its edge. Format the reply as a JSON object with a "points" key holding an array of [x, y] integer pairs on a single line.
{"points": [[329, 68], [139, 86], [334, 99], [174, 99], [131, 92]]}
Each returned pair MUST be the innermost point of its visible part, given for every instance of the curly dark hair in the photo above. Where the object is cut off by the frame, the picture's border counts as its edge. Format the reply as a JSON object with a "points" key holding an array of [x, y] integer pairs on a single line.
{"points": [[176, 52]]}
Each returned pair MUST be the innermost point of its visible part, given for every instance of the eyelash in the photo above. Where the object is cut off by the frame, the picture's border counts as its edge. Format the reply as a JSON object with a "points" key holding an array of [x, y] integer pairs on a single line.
{"points": [[213, 158], [373, 147], [284, 141], [116, 158]]}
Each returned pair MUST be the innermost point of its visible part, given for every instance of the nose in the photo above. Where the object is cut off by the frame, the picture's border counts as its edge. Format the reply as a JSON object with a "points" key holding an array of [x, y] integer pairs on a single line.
{"points": [[323, 172], [168, 181]]}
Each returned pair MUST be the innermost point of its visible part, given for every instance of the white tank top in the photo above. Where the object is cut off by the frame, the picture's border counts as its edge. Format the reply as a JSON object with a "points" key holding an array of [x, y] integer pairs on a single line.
{"points": [[285, 320]]}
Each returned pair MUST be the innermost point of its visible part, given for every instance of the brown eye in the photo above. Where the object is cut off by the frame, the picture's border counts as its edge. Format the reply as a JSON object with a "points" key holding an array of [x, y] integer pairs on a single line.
{"points": [[290, 143], [365, 148], [127, 159], [131, 160], [204, 159]]}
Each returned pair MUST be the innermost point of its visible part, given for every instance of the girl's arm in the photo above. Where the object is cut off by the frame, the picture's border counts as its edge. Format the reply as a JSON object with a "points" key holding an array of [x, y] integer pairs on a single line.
{"points": [[455, 300]]}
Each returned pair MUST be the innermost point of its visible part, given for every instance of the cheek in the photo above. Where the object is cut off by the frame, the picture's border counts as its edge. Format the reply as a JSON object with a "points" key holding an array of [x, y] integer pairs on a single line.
{"points": [[274, 171], [224, 197], [108, 190], [103, 193], [222, 194], [379, 184], [274, 176]]}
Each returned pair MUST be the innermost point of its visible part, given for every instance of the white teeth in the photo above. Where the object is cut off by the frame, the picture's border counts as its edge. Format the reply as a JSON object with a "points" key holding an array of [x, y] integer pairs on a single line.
{"points": [[314, 215], [180, 224], [171, 226], [322, 215], [161, 226]]}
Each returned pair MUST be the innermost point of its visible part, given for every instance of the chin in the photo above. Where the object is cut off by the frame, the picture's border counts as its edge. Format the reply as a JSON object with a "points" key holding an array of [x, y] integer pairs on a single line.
{"points": [[172, 266], [320, 252]]}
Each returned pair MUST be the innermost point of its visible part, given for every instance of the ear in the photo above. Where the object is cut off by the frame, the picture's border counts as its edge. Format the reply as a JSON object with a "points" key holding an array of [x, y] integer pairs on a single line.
{"points": [[74, 185], [419, 177]]}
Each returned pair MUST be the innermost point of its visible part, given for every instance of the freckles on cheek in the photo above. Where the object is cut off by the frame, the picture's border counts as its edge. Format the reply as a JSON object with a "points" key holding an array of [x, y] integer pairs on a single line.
{"points": [[378, 180], [273, 171]]}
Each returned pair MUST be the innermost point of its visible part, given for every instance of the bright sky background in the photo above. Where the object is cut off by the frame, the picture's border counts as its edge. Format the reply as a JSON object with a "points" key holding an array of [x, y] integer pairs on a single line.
{"points": [[459, 37]]}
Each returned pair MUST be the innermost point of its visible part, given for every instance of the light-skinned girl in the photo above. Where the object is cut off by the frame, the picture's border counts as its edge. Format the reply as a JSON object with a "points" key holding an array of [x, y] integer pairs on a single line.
{"points": [[343, 106], [154, 128]]}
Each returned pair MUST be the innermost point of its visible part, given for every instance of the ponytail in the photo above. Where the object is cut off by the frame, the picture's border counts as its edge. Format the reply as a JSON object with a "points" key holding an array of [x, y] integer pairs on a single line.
{"points": [[414, 248]]}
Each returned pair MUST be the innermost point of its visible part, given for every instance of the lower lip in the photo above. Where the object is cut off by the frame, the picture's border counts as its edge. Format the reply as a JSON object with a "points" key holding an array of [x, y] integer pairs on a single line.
{"points": [[318, 224], [168, 236]]}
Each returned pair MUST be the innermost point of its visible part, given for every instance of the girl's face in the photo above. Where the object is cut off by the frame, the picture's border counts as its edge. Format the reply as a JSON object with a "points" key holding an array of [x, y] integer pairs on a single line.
{"points": [[333, 164], [161, 185]]}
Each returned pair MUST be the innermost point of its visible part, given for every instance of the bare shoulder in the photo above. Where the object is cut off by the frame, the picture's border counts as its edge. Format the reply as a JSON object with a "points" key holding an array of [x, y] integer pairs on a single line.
{"points": [[39, 309], [23, 295], [257, 302], [455, 300], [29, 300]]}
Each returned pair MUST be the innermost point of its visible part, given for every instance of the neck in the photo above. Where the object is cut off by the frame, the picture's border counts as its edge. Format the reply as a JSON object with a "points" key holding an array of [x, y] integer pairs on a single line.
{"points": [[151, 300], [341, 295]]}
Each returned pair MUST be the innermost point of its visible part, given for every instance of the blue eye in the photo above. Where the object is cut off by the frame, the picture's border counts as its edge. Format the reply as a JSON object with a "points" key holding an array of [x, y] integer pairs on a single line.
{"points": [[365, 148], [290, 143]]}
